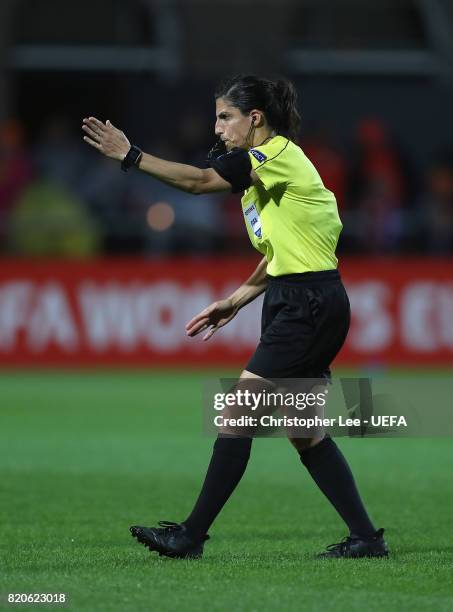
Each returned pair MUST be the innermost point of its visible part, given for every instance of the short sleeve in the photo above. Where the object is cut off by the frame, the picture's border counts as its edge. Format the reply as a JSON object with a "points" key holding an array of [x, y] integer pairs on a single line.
{"points": [[271, 169], [235, 167]]}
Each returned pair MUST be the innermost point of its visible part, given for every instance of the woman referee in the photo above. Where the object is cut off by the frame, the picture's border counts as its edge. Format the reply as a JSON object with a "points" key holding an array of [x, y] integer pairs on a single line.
{"points": [[292, 219]]}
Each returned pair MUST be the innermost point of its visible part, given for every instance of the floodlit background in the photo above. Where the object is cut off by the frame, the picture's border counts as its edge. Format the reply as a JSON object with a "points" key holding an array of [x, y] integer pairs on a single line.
{"points": [[375, 81], [100, 390]]}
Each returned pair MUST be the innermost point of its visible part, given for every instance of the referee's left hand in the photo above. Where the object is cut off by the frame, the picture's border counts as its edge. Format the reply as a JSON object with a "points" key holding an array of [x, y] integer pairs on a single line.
{"points": [[212, 318], [106, 138]]}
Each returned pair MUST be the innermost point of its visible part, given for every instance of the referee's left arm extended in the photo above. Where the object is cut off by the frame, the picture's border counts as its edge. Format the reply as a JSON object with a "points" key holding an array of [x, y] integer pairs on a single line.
{"points": [[113, 143]]}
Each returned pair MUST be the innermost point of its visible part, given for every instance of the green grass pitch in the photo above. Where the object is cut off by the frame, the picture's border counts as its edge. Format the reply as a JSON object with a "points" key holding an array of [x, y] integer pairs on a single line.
{"points": [[85, 455]]}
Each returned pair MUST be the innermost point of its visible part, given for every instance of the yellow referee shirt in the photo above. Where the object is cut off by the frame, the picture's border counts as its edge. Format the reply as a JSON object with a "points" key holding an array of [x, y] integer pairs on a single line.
{"points": [[291, 218]]}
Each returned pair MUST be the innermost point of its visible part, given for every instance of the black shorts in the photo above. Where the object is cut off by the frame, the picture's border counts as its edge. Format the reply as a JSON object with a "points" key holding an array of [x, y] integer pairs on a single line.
{"points": [[304, 324]]}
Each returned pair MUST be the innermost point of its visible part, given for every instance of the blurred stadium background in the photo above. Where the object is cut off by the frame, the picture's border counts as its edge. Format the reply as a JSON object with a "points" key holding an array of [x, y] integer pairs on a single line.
{"points": [[99, 269], [376, 90]]}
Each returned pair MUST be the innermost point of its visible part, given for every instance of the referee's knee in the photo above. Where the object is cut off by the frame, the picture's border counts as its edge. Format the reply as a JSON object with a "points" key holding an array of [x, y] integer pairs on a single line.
{"points": [[301, 444], [233, 446]]}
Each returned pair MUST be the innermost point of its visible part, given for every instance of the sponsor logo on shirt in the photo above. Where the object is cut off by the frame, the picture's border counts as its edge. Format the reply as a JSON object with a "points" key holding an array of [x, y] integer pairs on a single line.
{"points": [[253, 219], [258, 155]]}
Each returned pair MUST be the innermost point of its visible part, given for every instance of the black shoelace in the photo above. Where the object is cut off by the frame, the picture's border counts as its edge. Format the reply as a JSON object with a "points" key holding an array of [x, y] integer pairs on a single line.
{"points": [[168, 526], [342, 546]]}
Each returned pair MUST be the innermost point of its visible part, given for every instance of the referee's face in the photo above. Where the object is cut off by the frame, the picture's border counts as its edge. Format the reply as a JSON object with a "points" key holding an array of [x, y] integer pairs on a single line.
{"points": [[231, 125]]}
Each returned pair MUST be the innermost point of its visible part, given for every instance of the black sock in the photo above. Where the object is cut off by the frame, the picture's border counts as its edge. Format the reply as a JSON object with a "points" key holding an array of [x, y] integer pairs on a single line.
{"points": [[331, 472], [229, 460]]}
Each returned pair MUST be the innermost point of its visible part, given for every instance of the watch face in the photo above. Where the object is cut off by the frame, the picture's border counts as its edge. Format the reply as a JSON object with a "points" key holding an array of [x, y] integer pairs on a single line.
{"points": [[135, 154], [132, 158]]}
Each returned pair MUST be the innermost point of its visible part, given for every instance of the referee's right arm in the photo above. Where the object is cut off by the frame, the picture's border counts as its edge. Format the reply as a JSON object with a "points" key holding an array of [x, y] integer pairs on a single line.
{"points": [[113, 143], [183, 177]]}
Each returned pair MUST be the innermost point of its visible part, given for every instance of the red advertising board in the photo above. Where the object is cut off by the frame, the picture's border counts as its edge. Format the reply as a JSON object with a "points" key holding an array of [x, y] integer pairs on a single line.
{"points": [[133, 312]]}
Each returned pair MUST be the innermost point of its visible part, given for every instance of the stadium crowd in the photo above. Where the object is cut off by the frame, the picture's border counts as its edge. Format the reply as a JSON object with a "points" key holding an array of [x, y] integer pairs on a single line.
{"points": [[59, 199]]}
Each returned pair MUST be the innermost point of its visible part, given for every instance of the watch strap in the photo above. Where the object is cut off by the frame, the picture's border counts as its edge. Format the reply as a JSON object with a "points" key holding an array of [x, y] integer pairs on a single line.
{"points": [[132, 158]]}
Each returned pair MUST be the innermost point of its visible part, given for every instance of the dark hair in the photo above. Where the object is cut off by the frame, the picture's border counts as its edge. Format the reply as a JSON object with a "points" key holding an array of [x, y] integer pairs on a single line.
{"points": [[277, 100]]}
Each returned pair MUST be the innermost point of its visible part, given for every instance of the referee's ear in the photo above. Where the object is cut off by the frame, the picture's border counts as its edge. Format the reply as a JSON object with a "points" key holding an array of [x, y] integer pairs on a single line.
{"points": [[257, 118]]}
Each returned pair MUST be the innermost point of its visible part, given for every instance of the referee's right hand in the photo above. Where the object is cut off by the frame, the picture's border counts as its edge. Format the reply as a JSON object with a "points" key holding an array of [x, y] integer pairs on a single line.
{"points": [[106, 138], [212, 318]]}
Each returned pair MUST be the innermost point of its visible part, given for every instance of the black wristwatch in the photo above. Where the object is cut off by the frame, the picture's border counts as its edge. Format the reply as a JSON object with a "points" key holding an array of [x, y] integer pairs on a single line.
{"points": [[132, 158]]}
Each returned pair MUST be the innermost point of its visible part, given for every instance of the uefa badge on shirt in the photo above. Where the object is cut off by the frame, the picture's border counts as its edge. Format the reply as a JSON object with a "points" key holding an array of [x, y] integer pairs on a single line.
{"points": [[259, 155], [253, 219]]}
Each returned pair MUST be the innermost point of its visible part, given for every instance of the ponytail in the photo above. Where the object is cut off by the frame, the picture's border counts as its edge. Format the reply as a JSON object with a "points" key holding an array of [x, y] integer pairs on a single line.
{"points": [[286, 96]]}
